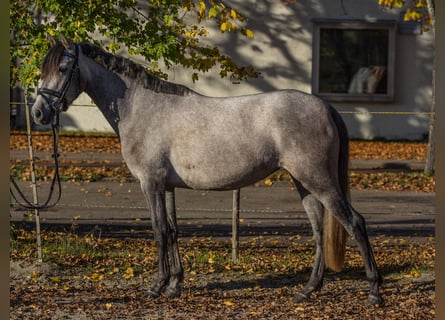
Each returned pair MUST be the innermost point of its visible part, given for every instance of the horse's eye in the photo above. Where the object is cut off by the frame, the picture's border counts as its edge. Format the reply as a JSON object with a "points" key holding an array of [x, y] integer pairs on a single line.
{"points": [[62, 68]]}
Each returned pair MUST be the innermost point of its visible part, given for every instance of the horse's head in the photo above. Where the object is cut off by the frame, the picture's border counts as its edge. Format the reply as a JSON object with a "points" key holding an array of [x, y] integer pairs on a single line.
{"points": [[60, 81]]}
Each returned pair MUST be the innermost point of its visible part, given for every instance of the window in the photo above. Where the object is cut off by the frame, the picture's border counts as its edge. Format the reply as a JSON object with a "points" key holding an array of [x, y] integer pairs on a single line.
{"points": [[353, 60]]}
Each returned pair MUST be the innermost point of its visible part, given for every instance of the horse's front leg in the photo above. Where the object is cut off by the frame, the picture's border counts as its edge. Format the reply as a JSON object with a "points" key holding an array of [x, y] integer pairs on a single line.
{"points": [[156, 204], [176, 272]]}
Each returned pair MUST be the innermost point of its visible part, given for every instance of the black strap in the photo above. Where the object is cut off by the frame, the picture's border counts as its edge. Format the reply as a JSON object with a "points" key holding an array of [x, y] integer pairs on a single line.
{"points": [[26, 203]]}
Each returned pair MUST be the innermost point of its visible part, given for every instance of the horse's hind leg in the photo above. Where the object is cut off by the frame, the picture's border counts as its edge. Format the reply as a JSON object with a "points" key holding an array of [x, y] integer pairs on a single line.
{"points": [[354, 224], [314, 210]]}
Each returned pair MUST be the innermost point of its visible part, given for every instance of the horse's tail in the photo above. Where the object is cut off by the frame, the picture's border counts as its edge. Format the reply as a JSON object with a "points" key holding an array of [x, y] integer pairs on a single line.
{"points": [[334, 234]]}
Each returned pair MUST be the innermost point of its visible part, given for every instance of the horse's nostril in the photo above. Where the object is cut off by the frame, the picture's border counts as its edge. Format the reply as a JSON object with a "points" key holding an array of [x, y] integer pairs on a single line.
{"points": [[37, 115]]}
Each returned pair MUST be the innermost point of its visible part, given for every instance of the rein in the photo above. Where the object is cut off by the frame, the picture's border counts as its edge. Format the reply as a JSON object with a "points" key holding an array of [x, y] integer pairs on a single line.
{"points": [[26, 203], [48, 95]]}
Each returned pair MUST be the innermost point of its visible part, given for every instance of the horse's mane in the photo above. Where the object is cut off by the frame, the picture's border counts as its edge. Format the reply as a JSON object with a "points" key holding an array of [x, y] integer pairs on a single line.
{"points": [[116, 64]]}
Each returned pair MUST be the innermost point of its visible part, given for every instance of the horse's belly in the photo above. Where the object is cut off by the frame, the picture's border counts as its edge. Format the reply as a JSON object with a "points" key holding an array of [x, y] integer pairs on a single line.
{"points": [[220, 176]]}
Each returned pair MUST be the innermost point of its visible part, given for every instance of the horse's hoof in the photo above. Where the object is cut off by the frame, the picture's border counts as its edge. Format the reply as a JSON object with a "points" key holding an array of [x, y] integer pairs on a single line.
{"points": [[154, 293], [300, 297], [172, 292], [376, 300]]}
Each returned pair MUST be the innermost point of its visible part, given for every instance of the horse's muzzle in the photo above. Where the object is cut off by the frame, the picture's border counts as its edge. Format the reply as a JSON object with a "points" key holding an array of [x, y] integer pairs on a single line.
{"points": [[41, 114]]}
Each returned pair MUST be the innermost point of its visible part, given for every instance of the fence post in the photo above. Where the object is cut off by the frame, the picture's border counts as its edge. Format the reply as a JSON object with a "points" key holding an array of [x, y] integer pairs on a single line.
{"points": [[235, 224], [33, 179]]}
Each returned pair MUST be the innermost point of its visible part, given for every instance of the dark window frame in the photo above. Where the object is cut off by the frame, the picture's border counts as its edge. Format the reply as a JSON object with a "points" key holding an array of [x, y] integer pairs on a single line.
{"points": [[389, 25]]}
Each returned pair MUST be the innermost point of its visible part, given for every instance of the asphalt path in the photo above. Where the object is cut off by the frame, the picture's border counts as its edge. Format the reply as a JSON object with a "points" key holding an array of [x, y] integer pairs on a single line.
{"points": [[119, 209]]}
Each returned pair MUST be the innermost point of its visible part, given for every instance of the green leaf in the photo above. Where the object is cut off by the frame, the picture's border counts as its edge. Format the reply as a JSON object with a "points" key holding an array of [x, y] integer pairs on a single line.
{"points": [[213, 12], [160, 33]]}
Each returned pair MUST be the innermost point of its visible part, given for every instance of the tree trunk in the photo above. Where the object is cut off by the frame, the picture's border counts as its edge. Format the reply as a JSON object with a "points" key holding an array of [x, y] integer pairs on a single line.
{"points": [[429, 164]]}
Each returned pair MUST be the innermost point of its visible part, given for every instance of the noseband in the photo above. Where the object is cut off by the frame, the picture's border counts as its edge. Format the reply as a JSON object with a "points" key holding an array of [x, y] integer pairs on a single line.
{"points": [[49, 94]]}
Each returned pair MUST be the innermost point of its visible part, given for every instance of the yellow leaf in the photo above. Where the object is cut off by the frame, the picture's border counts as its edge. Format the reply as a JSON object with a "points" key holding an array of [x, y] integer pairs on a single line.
{"points": [[202, 8], [299, 309], [211, 257], [399, 3], [268, 182], [108, 305], [233, 14], [249, 33], [421, 4], [229, 303], [97, 276], [415, 274], [129, 273], [223, 26], [55, 279]]}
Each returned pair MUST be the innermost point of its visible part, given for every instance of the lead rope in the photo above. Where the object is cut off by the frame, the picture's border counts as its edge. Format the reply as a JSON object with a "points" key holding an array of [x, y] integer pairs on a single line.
{"points": [[25, 202]]}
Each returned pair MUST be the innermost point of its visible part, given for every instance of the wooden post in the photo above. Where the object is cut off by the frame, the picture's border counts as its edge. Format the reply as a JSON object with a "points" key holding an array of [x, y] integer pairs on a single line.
{"points": [[33, 179], [235, 224]]}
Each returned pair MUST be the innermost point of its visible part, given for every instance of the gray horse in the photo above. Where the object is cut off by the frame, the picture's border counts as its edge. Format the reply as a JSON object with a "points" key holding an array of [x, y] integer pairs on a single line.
{"points": [[173, 137]]}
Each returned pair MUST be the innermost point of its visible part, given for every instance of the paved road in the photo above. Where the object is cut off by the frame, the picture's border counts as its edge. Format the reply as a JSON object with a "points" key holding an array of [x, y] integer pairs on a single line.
{"points": [[120, 210]]}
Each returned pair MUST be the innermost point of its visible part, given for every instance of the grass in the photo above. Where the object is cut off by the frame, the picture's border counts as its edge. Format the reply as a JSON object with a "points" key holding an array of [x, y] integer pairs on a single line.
{"points": [[68, 250]]}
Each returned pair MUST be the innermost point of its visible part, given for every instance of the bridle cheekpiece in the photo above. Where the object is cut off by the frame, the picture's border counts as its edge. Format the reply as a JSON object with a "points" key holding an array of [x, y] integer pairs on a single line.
{"points": [[49, 94]]}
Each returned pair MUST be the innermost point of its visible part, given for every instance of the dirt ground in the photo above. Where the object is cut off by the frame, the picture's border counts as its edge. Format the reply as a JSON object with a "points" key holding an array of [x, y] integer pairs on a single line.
{"points": [[45, 292]]}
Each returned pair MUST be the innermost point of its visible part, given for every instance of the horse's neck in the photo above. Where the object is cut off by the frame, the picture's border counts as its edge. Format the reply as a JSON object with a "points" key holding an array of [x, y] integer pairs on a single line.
{"points": [[106, 89]]}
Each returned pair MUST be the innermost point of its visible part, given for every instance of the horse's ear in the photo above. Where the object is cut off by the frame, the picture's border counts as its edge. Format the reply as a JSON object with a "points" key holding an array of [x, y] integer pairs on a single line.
{"points": [[66, 43], [52, 41]]}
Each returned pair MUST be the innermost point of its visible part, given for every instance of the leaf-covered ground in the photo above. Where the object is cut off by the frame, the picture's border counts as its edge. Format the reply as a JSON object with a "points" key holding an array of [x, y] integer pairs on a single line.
{"points": [[89, 277], [109, 144]]}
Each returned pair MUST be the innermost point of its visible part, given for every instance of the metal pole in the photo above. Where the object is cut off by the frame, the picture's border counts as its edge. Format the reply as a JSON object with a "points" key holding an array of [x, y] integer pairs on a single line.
{"points": [[33, 179], [235, 224]]}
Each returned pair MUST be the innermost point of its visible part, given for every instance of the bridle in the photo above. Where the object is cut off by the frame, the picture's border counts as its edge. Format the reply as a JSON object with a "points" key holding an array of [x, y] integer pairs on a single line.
{"points": [[56, 108], [48, 94]]}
